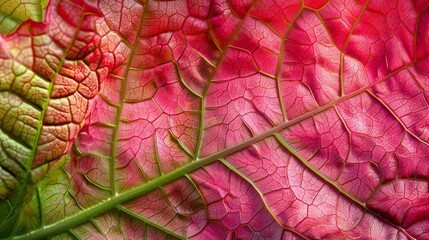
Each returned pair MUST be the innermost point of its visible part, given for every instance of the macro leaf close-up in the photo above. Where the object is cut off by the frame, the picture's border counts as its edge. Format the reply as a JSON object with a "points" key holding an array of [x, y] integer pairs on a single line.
{"points": [[214, 119]]}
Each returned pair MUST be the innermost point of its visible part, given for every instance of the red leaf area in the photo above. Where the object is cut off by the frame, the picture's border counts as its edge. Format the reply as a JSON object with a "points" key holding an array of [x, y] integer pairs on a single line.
{"points": [[314, 115]]}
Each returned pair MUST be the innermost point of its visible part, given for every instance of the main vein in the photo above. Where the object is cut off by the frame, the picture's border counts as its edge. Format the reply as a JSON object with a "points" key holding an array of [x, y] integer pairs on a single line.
{"points": [[106, 205]]}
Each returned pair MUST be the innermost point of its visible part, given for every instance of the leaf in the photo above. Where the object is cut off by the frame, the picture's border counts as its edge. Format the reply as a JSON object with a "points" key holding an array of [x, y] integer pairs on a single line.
{"points": [[15, 12], [226, 120], [46, 92]]}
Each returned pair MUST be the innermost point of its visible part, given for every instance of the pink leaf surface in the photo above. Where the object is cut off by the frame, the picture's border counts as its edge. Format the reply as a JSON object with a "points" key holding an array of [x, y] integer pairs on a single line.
{"points": [[218, 120]]}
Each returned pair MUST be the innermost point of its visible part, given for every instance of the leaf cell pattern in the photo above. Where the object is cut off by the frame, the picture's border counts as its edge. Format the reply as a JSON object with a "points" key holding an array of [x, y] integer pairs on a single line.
{"points": [[217, 119], [15, 12]]}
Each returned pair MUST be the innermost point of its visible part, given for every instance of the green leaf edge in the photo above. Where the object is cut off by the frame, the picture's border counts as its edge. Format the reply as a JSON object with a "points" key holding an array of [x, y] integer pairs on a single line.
{"points": [[43, 4]]}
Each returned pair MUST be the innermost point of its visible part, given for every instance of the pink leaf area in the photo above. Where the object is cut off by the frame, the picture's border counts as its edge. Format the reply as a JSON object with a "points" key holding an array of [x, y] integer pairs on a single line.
{"points": [[217, 120]]}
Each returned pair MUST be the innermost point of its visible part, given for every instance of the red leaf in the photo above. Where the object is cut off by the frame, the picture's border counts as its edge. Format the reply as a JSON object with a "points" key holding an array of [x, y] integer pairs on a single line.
{"points": [[217, 119]]}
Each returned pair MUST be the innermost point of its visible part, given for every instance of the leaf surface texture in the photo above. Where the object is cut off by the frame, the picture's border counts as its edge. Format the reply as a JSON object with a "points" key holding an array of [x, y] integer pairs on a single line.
{"points": [[227, 119]]}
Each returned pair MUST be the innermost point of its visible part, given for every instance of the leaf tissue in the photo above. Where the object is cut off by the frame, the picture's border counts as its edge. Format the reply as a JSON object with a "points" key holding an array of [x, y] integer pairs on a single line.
{"points": [[214, 119]]}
